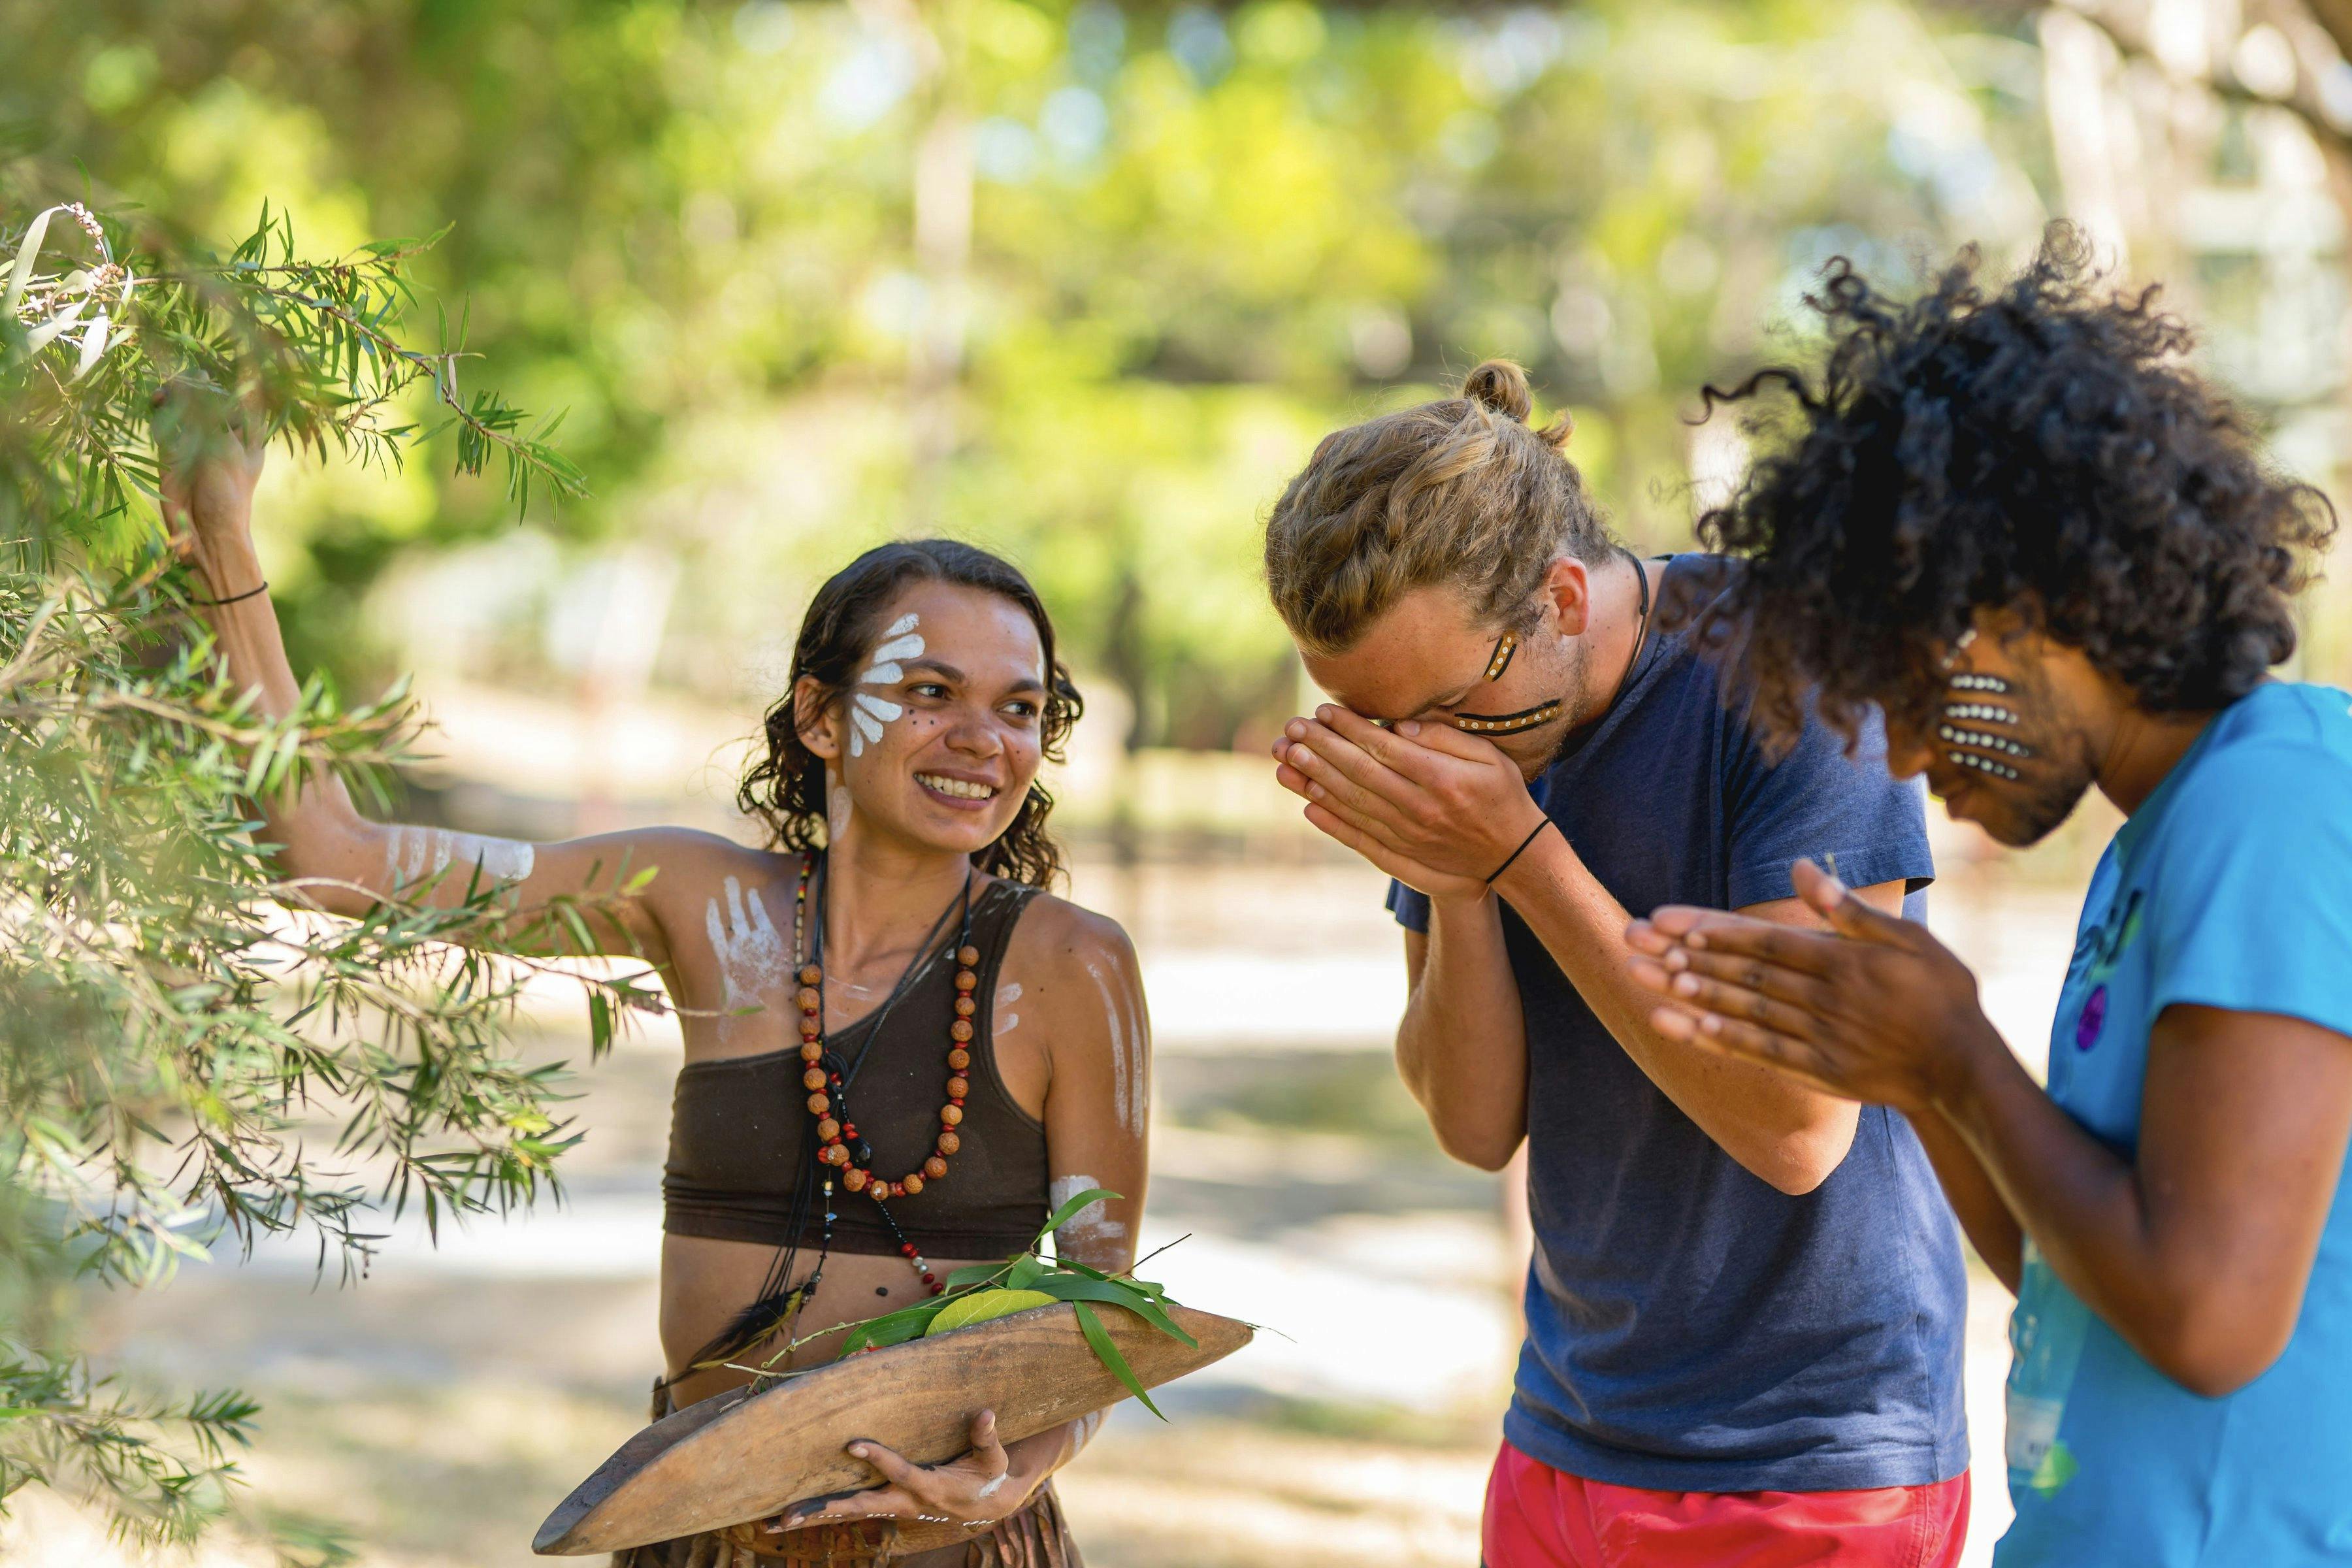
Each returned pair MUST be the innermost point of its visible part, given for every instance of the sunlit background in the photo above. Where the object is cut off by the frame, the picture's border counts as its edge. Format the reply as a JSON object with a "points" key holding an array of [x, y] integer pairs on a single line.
{"points": [[1085, 284]]}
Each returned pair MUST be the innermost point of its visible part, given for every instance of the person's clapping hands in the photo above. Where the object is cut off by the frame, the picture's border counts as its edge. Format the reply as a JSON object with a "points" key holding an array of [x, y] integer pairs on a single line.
{"points": [[1873, 1008], [1435, 808]]}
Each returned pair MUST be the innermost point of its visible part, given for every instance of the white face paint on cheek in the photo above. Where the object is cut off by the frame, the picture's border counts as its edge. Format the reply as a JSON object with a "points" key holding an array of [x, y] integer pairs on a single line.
{"points": [[751, 955], [1091, 1225], [902, 641]]}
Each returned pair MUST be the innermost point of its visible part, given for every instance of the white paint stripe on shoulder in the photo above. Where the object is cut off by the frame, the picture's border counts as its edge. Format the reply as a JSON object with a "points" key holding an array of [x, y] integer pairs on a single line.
{"points": [[1119, 1086]]}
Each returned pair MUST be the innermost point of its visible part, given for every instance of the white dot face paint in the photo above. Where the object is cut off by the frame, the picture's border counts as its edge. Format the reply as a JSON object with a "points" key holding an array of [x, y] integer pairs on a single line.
{"points": [[413, 854], [1092, 1226], [750, 954]]}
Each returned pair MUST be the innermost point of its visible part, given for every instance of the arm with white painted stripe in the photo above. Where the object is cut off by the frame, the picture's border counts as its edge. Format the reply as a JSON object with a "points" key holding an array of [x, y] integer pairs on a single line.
{"points": [[1085, 992], [344, 862], [1079, 999]]}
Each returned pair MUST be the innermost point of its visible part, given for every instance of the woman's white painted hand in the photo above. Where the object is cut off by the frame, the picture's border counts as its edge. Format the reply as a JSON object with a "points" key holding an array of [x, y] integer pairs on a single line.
{"points": [[977, 1489]]}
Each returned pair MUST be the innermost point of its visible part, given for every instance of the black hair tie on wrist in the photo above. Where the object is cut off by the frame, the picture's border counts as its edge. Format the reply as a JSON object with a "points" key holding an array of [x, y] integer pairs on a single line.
{"points": [[1522, 850], [233, 598]]}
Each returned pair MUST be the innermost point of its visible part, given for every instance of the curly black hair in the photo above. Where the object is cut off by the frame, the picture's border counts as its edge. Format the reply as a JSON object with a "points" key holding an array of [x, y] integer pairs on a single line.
{"points": [[784, 787], [2041, 448]]}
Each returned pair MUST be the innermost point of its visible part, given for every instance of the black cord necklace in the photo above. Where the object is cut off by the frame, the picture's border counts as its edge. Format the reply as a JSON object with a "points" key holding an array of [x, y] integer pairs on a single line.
{"points": [[1641, 630], [827, 1078], [779, 1301]]}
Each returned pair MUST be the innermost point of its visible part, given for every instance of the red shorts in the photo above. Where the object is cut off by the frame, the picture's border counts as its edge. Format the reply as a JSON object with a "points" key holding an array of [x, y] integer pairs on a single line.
{"points": [[1537, 1517]]}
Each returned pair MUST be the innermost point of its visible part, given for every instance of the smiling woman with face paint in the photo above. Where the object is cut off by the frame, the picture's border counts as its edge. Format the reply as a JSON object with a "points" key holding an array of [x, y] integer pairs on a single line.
{"points": [[856, 1116]]}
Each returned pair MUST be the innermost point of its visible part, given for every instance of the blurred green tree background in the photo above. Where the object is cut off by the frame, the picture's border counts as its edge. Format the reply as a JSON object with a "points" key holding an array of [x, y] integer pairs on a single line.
{"points": [[1082, 282]]}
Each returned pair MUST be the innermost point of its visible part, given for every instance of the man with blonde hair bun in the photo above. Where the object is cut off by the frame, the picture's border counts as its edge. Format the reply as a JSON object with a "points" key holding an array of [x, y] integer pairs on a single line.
{"points": [[1745, 1307]]}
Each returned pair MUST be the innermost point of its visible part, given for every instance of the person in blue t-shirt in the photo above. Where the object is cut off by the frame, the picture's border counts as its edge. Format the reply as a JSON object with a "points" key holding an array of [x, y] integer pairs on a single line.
{"points": [[1745, 1306], [2015, 524]]}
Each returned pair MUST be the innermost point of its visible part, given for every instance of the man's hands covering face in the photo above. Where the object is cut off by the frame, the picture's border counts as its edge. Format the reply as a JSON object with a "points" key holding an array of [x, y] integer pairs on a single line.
{"points": [[1435, 808]]}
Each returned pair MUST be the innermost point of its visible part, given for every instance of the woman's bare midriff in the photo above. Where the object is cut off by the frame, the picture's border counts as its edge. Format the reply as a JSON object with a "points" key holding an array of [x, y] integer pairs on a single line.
{"points": [[704, 1283]]}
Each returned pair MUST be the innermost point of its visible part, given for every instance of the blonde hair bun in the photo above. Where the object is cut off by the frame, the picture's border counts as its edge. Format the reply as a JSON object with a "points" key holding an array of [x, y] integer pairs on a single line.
{"points": [[1501, 385], [1457, 491]]}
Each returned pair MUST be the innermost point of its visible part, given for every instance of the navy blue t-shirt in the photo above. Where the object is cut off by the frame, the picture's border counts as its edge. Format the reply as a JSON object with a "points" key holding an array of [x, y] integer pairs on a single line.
{"points": [[1690, 1328]]}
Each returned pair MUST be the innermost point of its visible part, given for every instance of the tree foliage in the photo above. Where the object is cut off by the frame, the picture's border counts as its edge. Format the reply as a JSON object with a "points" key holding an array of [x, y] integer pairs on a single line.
{"points": [[190, 1055], [1199, 235]]}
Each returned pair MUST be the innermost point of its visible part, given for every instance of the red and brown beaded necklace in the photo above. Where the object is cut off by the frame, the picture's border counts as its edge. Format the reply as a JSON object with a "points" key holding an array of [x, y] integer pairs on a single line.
{"points": [[826, 1077]]}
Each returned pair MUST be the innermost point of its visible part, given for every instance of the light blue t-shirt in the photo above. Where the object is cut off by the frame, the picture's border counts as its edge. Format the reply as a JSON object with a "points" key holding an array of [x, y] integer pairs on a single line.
{"points": [[2230, 886]]}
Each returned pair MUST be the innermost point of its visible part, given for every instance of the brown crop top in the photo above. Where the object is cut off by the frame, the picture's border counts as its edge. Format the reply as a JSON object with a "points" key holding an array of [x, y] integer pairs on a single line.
{"points": [[740, 1128]]}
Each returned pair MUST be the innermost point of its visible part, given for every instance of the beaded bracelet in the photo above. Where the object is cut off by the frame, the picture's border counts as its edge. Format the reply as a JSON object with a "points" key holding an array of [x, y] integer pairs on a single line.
{"points": [[1522, 850]]}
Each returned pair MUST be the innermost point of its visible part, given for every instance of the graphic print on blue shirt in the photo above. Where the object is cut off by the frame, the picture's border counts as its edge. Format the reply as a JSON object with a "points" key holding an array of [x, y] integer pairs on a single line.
{"points": [[1689, 1327], [2230, 888], [2045, 1346]]}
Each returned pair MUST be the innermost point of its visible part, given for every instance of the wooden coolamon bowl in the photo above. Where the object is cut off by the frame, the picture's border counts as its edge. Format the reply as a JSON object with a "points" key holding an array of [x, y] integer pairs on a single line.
{"points": [[742, 1456]]}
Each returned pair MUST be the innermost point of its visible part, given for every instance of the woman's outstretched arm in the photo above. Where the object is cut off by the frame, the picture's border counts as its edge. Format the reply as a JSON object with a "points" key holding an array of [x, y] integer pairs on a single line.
{"points": [[344, 862]]}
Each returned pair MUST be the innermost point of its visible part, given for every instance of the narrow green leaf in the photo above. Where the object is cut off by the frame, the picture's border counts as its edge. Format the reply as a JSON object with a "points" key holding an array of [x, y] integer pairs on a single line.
{"points": [[1070, 1211], [973, 1274], [1108, 1354], [1114, 1293], [93, 345], [29, 251], [40, 337]]}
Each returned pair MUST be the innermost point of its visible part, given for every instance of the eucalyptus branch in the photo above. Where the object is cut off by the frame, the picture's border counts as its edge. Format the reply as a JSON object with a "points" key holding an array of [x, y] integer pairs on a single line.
{"points": [[174, 1016]]}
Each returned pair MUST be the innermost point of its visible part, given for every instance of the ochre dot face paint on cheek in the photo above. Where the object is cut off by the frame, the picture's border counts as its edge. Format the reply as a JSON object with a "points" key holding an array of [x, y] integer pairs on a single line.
{"points": [[1507, 723]]}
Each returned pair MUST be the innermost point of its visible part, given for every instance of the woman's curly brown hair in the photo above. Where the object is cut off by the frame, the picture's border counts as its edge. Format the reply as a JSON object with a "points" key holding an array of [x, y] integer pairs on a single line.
{"points": [[2041, 449], [786, 788]]}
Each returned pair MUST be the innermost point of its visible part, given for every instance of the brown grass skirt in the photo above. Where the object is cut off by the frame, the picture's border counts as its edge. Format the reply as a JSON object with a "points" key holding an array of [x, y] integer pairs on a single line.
{"points": [[1036, 1537]]}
